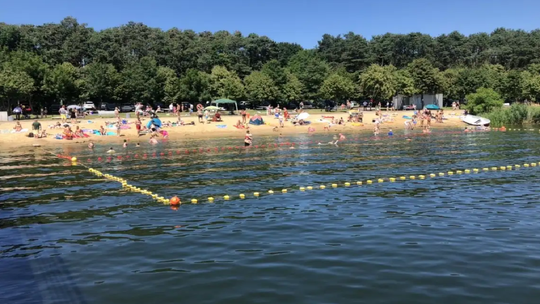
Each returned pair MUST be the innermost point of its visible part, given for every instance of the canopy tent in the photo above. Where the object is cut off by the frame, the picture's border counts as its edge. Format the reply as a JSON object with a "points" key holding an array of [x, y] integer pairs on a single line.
{"points": [[224, 101]]}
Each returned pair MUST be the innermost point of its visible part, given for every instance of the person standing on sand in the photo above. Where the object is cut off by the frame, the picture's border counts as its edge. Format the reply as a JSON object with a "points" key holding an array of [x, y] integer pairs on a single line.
{"points": [[36, 126], [63, 114], [116, 112]]}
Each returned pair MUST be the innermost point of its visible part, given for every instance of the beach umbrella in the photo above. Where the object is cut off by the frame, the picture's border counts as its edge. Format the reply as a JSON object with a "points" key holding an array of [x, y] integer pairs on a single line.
{"points": [[303, 116]]}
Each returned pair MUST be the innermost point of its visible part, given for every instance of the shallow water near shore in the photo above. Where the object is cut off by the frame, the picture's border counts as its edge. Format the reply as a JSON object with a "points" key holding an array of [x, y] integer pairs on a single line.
{"points": [[68, 236]]}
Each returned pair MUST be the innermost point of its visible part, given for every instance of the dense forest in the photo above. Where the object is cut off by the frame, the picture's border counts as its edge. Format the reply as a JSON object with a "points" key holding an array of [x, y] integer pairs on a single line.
{"points": [[70, 62]]}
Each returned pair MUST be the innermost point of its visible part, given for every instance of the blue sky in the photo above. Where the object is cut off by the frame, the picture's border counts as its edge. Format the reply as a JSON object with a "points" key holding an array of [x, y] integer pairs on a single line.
{"points": [[300, 21]]}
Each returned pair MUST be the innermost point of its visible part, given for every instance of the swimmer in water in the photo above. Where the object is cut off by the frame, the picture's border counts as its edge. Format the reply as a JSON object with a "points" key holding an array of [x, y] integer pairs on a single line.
{"points": [[153, 140], [90, 145], [111, 150], [125, 143], [390, 133], [138, 145]]}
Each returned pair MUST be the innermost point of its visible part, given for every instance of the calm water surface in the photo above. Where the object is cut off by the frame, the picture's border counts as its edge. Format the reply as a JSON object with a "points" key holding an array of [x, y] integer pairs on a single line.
{"points": [[67, 236]]}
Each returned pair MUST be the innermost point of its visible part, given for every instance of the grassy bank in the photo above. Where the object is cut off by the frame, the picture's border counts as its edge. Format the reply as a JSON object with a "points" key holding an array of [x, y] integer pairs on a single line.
{"points": [[517, 114]]}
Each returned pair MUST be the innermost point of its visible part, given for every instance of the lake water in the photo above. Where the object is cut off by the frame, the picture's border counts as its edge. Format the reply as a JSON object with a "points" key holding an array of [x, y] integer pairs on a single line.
{"points": [[68, 236]]}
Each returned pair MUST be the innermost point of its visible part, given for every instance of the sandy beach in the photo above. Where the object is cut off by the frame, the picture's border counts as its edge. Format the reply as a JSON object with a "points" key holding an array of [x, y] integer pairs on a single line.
{"points": [[225, 128]]}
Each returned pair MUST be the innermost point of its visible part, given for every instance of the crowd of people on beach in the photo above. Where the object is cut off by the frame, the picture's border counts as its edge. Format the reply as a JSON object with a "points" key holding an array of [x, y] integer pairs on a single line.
{"points": [[154, 127]]}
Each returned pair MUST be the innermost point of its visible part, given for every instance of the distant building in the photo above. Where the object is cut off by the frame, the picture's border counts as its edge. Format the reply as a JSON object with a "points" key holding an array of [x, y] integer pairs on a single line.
{"points": [[400, 100]]}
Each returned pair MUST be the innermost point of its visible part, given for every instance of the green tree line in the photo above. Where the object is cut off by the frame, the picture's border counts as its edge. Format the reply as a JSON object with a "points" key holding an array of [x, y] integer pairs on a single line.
{"points": [[72, 62]]}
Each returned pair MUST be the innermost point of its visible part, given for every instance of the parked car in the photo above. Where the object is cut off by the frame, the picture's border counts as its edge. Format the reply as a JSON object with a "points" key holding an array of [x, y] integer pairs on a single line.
{"points": [[89, 105], [110, 106], [127, 108], [407, 107], [263, 105], [308, 105], [53, 109], [244, 105]]}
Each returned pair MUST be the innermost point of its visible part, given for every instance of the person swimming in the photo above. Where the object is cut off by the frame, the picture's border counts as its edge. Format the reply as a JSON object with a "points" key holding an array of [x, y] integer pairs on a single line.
{"points": [[138, 145], [90, 145], [390, 133], [125, 143], [111, 150]]}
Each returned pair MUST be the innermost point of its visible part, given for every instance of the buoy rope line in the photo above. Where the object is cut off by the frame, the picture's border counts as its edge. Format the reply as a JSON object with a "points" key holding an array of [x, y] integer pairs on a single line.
{"points": [[241, 196], [123, 182], [169, 153], [175, 201]]}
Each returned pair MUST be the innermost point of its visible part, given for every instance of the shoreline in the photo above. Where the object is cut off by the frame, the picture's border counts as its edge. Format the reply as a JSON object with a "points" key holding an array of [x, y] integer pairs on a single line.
{"points": [[224, 129]]}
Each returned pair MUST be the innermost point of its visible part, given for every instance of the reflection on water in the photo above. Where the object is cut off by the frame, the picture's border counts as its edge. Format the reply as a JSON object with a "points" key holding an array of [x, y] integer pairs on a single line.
{"points": [[69, 237]]}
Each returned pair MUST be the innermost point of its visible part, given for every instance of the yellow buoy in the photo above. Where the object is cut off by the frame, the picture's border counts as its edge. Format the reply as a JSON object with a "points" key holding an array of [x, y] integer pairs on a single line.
{"points": [[533, 164], [421, 176], [392, 179], [467, 171], [73, 159], [517, 166], [459, 171], [323, 187], [302, 189], [503, 168], [494, 168], [226, 197], [441, 174], [284, 191], [412, 177], [432, 175], [309, 188], [369, 182], [242, 196], [526, 165], [347, 184], [359, 183], [155, 196], [334, 185], [485, 169], [450, 173], [380, 180], [193, 201], [270, 192], [211, 199], [509, 167], [402, 178]]}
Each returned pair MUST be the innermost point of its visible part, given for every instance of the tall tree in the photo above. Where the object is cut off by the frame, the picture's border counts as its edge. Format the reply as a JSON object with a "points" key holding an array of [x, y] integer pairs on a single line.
{"points": [[225, 84], [194, 86], [378, 82], [63, 83], [100, 82], [260, 87], [337, 87]]}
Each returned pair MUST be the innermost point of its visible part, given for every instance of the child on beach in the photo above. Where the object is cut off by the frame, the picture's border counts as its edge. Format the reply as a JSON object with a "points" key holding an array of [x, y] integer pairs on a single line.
{"points": [[125, 143]]}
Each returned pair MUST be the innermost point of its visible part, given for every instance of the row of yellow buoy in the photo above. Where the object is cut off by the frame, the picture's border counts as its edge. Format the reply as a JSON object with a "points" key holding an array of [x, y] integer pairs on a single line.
{"points": [[176, 201], [127, 186], [521, 130], [381, 180]]}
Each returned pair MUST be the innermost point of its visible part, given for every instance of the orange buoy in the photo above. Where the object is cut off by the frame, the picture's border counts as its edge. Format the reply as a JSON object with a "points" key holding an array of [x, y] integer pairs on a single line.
{"points": [[175, 201]]}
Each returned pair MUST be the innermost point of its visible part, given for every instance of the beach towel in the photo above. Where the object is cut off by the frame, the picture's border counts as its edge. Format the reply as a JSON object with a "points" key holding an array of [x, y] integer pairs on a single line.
{"points": [[221, 126], [407, 117]]}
